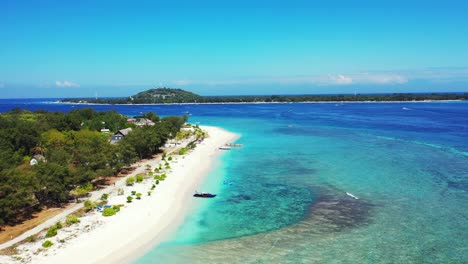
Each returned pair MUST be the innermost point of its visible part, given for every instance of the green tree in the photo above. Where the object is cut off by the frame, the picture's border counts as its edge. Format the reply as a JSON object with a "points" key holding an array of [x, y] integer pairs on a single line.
{"points": [[54, 181], [16, 194], [151, 116], [144, 140]]}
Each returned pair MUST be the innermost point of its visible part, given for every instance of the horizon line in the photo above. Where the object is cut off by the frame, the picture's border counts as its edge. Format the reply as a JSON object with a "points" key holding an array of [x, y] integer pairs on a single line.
{"points": [[247, 95]]}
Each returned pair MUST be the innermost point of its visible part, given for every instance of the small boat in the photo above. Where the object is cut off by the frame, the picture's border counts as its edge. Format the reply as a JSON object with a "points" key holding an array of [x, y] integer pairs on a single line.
{"points": [[352, 195], [204, 195], [233, 145], [225, 148]]}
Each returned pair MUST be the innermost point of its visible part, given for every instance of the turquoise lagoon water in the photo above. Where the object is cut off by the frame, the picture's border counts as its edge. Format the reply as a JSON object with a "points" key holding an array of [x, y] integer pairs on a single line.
{"points": [[285, 199]]}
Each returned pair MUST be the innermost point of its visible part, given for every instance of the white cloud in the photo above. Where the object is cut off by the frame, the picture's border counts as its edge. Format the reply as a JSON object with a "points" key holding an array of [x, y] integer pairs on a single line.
{"points": [[182, 82], [342, 79], [440, 74], [329, 79], [66, 84], [380, 78]]}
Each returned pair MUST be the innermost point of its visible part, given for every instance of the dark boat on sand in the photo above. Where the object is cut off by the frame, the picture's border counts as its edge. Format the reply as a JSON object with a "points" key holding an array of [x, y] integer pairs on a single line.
{"points": [[204, 195]]}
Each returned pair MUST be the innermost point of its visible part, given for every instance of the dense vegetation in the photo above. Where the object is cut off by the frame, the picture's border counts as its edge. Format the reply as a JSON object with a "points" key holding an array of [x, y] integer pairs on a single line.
{"points": [[71, 154], [336, 98], [164, 95], [152, 96], [167, 96]]}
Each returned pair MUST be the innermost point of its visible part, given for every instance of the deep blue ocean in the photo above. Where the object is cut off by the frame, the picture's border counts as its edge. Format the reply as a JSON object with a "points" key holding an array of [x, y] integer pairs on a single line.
{"points": [[282, 196]]}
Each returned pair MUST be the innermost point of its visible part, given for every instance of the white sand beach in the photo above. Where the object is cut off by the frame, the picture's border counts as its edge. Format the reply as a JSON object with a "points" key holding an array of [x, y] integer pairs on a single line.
{"points": [[140, 224]]}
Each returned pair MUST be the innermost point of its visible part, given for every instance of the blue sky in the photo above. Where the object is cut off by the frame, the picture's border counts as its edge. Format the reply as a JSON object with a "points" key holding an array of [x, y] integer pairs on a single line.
{"points": [[117, 48]]}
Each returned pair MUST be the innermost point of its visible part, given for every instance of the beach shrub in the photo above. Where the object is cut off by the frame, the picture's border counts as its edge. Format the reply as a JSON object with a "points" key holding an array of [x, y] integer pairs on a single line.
{"points": [[129, 199], [72, 219], [59, 225], [52, 231], [120, 191], [164, 156], [157, 181], [108, 212], [32, 238], [89, 205], [156, 170], [116, 208], [133, 192], [82, 190], [169, 159], [192, 145], [161, 177], [139, 178], [130, 180], [182, 151], [47, 244], [138, 196], [149, 193], [104, 196]]}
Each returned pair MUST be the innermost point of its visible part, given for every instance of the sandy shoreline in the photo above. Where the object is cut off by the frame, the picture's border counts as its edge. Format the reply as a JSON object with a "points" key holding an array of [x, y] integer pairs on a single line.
{"points": [[242, 103], [139, 225]]}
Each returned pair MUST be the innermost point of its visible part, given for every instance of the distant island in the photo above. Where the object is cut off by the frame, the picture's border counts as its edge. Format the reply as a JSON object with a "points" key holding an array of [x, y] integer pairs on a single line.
{"points": [[179, 96]]}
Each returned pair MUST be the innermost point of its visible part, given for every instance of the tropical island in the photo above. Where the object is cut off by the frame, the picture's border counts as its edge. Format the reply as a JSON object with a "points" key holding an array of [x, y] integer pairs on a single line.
{"points": [[58, 157], [179, 96], [87, 166]]}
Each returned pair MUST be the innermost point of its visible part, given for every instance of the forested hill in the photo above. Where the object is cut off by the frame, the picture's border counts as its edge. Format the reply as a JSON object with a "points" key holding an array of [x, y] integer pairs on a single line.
{"points": [[151, 96], [164, 95], [48, 158], [169, 95]]}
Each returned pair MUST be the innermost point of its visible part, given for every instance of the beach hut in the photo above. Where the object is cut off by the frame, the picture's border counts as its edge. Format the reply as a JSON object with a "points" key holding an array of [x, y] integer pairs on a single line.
{"points": [[36, 159], [119, 135], [144, 122]]}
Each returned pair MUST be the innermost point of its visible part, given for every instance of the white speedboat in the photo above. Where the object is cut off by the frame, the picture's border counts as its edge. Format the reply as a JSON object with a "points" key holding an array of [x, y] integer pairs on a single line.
{"points": [[225, 148], [352, 195]]}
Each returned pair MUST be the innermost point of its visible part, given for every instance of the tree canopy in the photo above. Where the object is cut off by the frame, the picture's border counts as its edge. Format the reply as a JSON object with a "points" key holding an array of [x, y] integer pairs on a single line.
{"points": [[170, 95], [70, 152]]}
